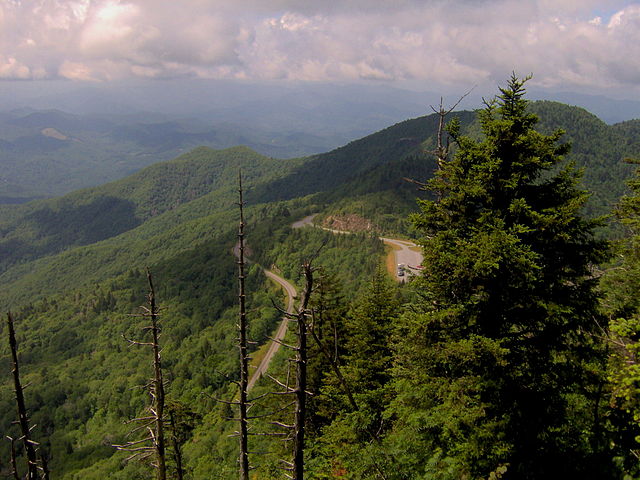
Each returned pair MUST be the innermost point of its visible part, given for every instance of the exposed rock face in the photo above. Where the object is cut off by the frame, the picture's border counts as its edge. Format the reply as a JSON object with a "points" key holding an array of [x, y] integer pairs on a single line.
{"points": [[53, 133], [349, 223]]}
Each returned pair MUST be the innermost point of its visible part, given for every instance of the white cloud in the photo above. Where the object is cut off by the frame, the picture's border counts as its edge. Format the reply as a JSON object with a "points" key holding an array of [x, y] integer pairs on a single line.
{"points": [[10, 68], [564, 43], [76, 71], [110, 31]]}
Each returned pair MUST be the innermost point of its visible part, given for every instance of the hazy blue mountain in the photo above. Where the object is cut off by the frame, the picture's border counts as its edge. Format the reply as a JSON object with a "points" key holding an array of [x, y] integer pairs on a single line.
{"points": [[72, 267], [609, 110], [49, 152], [115, 129], [155, 205]]}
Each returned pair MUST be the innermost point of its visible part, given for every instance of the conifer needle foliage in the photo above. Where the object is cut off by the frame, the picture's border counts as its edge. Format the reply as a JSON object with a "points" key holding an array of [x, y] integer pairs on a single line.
{"points": [[494, 366]]}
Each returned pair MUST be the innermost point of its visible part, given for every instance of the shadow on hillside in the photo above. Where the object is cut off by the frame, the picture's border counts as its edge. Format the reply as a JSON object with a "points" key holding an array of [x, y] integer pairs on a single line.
{"points": [[46, 231]]}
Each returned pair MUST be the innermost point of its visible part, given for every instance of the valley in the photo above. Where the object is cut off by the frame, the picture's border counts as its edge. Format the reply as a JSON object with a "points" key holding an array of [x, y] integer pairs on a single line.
{"points": [[71, 270], [48, 153]]}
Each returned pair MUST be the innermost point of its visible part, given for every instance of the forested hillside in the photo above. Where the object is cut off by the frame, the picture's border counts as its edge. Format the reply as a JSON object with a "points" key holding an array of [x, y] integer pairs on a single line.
{"points": [[596, 147], [493, 363], [49, 152], [88, 216]]}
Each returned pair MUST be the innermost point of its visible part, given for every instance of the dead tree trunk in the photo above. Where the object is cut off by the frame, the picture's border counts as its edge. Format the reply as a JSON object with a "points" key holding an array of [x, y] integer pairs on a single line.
{"points": [[44, 466], [296, 430], [177, 449], [23, 419], [441, 152], [242, 345], [157, 388], [153, 445], [301, 377]]}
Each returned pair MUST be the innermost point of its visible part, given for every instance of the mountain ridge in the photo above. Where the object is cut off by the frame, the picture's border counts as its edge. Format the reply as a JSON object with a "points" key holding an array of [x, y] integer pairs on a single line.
{"points": [[74, 302], [180, 194]]}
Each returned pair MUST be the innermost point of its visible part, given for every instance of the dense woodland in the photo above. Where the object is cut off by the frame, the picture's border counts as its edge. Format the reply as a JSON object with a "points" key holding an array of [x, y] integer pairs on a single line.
{"points": [[513, 355]]}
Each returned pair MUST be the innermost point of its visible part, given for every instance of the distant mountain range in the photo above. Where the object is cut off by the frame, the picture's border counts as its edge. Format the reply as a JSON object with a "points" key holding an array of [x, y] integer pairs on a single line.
{"points": [[72, 267], [63, 144], [174, 203], [609, 110], [45, 153]]}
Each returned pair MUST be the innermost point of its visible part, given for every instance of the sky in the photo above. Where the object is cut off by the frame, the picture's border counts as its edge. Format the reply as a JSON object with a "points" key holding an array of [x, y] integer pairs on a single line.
{"points": [[590, 46]]}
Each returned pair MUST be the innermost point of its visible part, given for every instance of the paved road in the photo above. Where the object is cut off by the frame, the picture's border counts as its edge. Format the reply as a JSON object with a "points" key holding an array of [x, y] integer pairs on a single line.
{"points": [[282, 329], [308, 220], [281, 332], [410, 258], [405, 255]]}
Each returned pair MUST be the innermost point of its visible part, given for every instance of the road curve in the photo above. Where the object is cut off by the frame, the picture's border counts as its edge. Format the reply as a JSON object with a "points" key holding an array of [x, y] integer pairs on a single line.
{"points": [[405, 255], [405, 251], [274, 346], [308, 220]]}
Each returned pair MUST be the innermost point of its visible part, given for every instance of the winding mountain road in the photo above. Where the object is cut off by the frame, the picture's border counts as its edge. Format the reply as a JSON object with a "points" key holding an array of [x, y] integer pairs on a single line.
{"points": [[404, 252], [308, 220], [407, 253], [274, 346]]}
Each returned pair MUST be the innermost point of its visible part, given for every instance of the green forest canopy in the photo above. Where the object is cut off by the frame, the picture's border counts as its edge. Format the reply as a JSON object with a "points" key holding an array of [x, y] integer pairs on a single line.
{"points": [[502, 335]]}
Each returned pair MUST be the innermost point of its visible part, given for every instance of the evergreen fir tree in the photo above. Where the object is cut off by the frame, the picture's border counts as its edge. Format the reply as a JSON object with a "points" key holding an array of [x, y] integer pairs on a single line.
{"points": [[621, 302], [495, 371], [326, 339], [350, 446]]}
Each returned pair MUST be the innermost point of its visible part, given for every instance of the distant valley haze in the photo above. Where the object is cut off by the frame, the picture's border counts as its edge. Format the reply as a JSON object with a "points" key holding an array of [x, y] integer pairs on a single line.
{"points": [[141, 140], [132, 82]]}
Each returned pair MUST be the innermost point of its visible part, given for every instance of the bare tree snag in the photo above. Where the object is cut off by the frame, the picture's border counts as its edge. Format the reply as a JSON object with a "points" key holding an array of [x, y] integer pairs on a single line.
{"points": [[441, 152], [177, 451], [44, 466], [301, 377], [157, 388], [242, 345], [23, 419], [296, 430], [153, 445]]}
